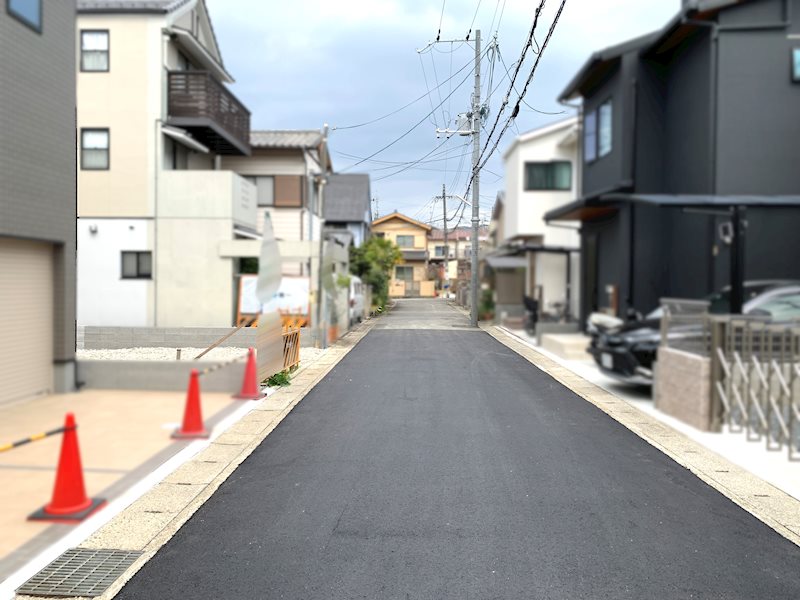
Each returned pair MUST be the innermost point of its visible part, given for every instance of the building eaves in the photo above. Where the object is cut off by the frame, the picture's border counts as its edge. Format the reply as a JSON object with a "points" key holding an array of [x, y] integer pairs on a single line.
{"points": [[291, 138]]}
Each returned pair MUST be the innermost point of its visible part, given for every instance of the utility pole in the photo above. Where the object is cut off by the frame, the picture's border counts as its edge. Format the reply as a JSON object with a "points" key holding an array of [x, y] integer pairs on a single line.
{"points": [[446, 285], [475, 117], [476, 177]]}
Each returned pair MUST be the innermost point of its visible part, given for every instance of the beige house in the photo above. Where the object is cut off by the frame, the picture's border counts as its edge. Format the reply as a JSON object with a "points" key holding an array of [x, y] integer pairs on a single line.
{"points": [[157, 213], [410, 278], [459, 246]]}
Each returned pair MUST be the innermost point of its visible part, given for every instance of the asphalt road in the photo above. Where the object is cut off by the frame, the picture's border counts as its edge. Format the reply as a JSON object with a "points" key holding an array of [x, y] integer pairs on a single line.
{"points": [[436, 463]]}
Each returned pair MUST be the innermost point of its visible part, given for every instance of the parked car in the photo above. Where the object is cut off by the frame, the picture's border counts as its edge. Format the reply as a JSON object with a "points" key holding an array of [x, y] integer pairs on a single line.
{"points": [[356, 300], [626, 351]]}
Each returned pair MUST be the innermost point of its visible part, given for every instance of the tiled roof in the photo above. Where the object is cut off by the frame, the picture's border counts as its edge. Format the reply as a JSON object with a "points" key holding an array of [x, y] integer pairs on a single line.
{"points": [[347, 198], [292, 138], [156, 6]]}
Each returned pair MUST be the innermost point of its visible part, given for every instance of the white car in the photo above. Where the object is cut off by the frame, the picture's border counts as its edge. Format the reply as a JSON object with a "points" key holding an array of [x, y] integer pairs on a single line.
{"points": [[356, 300]]}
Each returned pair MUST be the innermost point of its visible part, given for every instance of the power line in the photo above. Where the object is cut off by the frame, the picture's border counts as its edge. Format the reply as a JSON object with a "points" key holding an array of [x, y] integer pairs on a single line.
{"points": [[475, 16], [441, 17], [417, 124], [405, 106]]}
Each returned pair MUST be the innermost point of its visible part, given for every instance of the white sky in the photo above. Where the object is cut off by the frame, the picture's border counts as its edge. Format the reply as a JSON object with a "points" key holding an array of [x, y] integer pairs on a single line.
{"points": [[302, 63]]}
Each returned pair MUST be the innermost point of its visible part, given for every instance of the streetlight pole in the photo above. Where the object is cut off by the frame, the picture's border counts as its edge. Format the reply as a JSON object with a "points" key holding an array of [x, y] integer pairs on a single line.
{"points": [[446, 284]]}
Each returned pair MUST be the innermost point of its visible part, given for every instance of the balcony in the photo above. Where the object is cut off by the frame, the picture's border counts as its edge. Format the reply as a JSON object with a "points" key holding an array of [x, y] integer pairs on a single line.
{"points": [[200, 104], [207, 195]]}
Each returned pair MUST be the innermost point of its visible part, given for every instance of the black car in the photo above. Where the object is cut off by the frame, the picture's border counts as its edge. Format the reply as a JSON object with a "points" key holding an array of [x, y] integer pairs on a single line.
{"points": [[626, 351]]}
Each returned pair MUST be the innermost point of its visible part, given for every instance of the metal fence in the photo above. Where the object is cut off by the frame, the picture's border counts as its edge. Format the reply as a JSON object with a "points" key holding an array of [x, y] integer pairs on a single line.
{"points": [[755, 369], [756, 379], [685, 325]]}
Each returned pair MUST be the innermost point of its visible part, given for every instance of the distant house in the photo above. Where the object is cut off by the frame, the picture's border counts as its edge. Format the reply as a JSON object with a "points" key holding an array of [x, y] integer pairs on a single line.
{"points": [[690, 143], [347, 205], [459, 245], [530, 257], [37, 199], [410, 278]]}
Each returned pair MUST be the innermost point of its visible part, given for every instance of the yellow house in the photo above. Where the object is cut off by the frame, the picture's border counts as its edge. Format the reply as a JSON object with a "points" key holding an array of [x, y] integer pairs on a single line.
{"points": [[410, 278]]}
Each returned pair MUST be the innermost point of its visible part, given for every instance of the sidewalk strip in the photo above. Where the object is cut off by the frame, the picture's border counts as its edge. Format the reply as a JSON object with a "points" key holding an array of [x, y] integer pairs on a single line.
{"points": [[150, 522], [773, 507]]}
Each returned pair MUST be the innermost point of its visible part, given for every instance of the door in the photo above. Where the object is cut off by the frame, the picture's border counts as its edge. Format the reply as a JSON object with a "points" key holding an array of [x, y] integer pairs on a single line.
{"points": [[26, 319]]}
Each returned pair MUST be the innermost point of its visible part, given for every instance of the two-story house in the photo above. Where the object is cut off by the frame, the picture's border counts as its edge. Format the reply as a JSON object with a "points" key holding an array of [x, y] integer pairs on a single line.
{"points": [[459, 253], [531, 257], [690, 140], [410, 278], [37, 198], [158, 214]]}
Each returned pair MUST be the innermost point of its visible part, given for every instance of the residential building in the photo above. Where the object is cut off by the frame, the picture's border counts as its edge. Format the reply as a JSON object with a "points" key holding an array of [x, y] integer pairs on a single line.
{"points": [[37, 207], [459, 245], [690, 142], [411, 277], [348, 205], [158, 215], [531, 257]]}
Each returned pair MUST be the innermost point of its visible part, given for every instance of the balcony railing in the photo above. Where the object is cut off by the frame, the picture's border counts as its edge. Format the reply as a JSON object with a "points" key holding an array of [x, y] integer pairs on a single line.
{"points": [[213, 115]]}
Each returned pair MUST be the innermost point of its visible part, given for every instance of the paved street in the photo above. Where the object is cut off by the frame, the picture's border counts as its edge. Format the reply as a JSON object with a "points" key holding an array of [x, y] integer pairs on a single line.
{"points": [[432, 463]]}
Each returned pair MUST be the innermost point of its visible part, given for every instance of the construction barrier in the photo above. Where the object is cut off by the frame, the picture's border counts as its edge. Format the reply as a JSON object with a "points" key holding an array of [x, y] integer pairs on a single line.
{"points": [[33, 438], [69, 502]]}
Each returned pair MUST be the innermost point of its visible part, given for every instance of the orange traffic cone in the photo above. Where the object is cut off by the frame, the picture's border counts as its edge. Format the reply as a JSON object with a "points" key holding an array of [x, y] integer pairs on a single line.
{"points": [[69, 502], [250, 388], [192, 426]]}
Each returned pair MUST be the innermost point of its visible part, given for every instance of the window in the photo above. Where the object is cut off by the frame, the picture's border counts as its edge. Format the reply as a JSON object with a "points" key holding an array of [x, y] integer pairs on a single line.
{"points": [[590, 136], [796, 65], [439, 251], [28, 12], [137, 265], [605, 136], [265, 189], [94, 149], [380, 234], [94, 50], [404, 273], [548, 176], [405, 241]]}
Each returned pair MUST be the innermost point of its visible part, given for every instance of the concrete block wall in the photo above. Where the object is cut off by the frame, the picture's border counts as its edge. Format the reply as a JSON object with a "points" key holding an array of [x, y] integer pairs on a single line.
{"points": [[682, 387], [155, 375], [112, 338]]}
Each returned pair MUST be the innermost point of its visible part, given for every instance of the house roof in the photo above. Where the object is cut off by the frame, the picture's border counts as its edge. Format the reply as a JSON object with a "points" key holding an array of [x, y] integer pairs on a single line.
{"points": [[601, 62], [589, 208], [534, 134], [402, 217], [131, 6], [347, 198], [286, 138]]}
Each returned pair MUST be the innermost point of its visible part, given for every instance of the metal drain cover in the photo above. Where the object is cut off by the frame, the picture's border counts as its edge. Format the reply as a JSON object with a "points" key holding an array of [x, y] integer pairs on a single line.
{"points": [[79, 572]]}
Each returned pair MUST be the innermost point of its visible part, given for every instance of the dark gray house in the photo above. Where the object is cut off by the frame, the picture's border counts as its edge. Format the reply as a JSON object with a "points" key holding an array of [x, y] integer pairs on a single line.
{"points": [[37, 198], [691, 154], [347, 205]]}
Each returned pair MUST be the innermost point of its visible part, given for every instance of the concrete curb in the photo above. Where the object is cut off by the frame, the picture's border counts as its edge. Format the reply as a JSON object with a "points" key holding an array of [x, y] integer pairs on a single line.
{"points": [[151, 521], [768, 504]]}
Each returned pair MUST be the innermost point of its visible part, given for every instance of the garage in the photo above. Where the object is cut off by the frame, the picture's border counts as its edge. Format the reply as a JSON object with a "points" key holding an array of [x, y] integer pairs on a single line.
{"points": [[26, 319]]}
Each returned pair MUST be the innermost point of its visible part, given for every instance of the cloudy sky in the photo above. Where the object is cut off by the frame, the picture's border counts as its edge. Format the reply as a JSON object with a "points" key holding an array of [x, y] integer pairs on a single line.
{"points": [[303, 63]]}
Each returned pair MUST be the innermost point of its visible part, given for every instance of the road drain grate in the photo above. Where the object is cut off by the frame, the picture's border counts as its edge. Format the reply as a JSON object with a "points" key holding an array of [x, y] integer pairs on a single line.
{"points": [[79, 572]]}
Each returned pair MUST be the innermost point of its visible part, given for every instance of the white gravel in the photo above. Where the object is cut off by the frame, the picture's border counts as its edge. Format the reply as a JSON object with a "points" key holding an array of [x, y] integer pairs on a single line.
{"points": [[223, 354]]}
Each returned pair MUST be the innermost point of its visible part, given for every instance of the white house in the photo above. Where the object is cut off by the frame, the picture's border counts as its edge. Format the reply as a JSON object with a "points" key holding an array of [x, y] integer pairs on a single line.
{"points": [[157, 215], [531, 257]]}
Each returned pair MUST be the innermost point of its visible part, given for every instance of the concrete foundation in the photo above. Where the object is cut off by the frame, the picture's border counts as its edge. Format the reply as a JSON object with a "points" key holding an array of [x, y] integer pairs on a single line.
{"points": [[155, 375]]}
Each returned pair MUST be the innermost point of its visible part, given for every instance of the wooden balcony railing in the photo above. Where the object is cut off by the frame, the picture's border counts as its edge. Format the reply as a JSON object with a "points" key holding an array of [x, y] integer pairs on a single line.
{"points": [[197, 101]]}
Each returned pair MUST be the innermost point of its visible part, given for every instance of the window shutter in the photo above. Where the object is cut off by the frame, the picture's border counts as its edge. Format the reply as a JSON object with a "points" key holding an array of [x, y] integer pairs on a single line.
{"points": [[289, 191]]}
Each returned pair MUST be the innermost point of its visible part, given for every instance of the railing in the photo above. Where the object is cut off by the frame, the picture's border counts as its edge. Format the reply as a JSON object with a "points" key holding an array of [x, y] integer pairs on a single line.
{"points": [[756, 379], [291, 348], [195, 94], [685, 325]]}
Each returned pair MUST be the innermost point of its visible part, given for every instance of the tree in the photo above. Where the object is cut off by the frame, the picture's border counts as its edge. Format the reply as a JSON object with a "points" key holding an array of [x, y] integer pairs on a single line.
{"points": [[373, 263]]}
